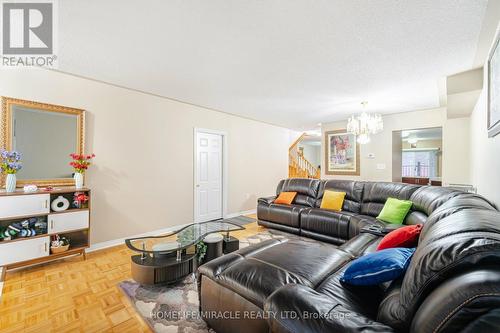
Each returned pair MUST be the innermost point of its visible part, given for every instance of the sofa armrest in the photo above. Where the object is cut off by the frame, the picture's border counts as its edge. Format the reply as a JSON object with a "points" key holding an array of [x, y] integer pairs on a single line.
{"points": [[470, 299], [213, 268], [266, 200], [297, 308]]}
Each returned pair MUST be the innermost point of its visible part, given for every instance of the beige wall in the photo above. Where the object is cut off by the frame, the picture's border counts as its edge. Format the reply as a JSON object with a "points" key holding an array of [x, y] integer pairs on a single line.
{"points": [[456, 151], [379, 168], [485, 154], [142, 179]]}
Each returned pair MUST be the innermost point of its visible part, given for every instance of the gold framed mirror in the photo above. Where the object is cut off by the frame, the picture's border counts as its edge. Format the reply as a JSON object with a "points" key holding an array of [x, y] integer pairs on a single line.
{"points": [[45, 135]]}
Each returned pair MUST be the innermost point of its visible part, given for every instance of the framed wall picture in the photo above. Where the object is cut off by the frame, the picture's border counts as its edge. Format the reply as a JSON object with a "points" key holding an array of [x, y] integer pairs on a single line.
{"points": [[341, 153], [494, 89]]}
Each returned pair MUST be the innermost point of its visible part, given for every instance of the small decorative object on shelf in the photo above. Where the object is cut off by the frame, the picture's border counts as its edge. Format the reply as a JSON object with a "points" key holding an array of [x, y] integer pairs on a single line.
{"points": [[80, 164], [10, 164], [59, 244], [80, 200], [30, 188], [59, 204]]}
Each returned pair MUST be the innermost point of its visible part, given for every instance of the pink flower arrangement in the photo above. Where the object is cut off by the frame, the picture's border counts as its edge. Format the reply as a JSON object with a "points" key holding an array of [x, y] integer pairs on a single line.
{"points": [[81, 197], [80, 162]]}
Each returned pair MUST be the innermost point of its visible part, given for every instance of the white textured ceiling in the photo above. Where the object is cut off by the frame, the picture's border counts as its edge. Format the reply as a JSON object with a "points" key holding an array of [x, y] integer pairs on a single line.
{"points": [[291, 63]]}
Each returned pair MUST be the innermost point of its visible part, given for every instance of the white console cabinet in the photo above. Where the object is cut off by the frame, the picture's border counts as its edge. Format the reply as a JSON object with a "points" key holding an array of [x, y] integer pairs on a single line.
{"points": [[73, 223]]}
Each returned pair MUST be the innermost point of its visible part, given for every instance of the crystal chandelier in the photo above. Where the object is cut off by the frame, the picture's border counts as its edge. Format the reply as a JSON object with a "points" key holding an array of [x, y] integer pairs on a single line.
{"points": [[364, 125]]}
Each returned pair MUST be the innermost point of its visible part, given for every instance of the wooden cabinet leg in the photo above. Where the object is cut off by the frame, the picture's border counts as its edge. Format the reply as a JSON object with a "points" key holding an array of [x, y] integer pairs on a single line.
{"points": [[84, 254]]}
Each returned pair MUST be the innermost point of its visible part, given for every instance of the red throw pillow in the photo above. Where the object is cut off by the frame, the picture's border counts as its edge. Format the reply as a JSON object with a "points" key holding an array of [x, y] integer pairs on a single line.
{"points": [[401, 237]]}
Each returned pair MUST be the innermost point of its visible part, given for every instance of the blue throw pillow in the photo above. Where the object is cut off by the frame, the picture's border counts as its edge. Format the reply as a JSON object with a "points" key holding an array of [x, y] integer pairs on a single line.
{"points": [[378, 267]]}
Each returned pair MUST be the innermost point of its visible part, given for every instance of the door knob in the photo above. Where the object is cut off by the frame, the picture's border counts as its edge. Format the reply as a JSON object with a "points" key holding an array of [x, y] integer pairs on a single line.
{"points": [[197, 185]]}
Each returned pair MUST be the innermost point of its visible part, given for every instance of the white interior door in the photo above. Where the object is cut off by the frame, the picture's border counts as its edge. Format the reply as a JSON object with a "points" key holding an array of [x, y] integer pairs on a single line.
{"points": [[208, 177]]}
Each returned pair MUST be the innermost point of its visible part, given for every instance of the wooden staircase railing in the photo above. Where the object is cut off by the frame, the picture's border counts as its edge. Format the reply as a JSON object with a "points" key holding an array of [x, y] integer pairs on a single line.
{"points": [[298, 165]]}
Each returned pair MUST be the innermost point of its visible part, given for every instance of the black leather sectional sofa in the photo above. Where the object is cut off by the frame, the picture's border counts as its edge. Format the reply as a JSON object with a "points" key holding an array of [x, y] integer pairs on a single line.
{"points": [[362, 204], [293, 284]]}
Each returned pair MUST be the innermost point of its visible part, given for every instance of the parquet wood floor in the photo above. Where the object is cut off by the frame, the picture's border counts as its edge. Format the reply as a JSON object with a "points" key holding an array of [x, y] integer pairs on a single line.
{"points": [[76, 295]]}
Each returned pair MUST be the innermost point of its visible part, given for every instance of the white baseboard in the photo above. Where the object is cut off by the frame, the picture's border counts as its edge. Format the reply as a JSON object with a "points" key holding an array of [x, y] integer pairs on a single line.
{"points": [[120, 241], [246, 212]]}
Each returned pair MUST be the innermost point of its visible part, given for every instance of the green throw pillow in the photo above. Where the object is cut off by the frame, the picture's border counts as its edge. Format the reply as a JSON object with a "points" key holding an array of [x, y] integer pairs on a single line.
{"points": [[395, 210]]}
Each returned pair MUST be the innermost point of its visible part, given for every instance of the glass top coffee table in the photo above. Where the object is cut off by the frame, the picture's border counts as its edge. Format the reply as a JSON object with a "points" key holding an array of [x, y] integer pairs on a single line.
{"points": [[165, 259]]}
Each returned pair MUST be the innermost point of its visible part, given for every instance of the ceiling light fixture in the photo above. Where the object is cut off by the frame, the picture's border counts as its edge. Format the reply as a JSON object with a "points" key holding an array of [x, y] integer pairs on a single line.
{"points": [[412, 141], [365, 124]]}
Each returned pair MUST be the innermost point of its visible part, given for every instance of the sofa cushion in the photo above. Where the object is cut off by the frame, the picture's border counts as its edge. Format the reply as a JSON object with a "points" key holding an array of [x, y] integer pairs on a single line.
{"points": [[353, 190], [256, 274], [266, 200], [318, 312], [359, 244], [403, 237], [389, 305], [287, 215], [332, 200], [359, 221], [285, 198], [327, 222], [394, 210], [360, 299], [460, 201], [427, 198], [279, 226], [215, 267], [378, 267], [322, 237], [414, 218], [307, 190], [376, 194]]}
